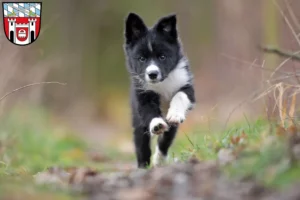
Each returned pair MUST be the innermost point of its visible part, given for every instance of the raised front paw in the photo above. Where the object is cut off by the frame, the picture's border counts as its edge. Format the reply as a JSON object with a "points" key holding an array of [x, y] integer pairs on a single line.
{"points": [[158, 126], [175, 116]]}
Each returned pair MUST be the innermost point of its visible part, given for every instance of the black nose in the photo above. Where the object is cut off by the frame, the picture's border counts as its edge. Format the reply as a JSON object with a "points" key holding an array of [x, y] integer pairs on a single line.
{"points": [[153, 75]]}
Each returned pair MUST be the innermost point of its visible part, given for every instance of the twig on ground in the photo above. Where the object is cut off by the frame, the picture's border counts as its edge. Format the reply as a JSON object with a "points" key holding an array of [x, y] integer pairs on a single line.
{"points": [[292, 55], [29, 85]]}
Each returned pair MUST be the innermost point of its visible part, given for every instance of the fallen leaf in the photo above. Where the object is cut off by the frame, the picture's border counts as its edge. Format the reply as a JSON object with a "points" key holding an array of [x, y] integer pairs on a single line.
{"points": [[79, 175], [292, 130], [98, 157], [280, 131]]}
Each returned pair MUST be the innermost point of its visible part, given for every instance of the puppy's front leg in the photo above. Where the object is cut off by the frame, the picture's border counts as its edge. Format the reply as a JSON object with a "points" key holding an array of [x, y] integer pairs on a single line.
{"points": [[182, 101], [149, 110], [148, 120]]}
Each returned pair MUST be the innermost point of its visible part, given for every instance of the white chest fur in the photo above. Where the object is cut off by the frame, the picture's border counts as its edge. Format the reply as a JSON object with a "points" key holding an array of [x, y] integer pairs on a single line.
{"points": [[175, 80]]}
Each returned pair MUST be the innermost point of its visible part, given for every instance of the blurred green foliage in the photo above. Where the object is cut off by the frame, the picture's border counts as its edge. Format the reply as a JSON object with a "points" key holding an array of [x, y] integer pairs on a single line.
{"points": [[31, 143]]}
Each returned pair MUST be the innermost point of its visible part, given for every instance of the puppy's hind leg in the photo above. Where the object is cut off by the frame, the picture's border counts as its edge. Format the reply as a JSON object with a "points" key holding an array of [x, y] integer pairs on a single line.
{"points": [[142, 147], [164, 142]]}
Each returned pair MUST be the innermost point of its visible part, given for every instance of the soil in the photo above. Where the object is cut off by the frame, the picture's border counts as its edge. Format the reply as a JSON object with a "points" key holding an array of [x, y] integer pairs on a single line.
{"points": [[193, 180]]}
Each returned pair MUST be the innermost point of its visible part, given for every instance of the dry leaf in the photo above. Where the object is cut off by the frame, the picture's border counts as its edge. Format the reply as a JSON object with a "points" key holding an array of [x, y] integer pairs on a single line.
{"points": [[280, 131], [64, 176], [244, 135], [292, 130], [237, 140], [234, 140], [79, 175], [98, 157]]}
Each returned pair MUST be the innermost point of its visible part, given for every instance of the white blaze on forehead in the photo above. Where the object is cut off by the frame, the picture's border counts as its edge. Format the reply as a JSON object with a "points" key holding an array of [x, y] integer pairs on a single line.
{"points": [[150, 46]]}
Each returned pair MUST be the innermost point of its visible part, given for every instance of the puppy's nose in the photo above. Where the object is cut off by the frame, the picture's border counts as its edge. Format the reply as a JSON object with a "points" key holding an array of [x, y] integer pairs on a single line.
{"points": [[153, 74]]}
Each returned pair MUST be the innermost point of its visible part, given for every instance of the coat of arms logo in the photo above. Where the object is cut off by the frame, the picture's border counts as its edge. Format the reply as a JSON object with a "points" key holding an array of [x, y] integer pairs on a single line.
{"points": [[22, 21]]}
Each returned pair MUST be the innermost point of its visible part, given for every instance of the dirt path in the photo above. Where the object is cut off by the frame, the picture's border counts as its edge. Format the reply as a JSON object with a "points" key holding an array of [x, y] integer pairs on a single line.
{"points": [[190, 181]]}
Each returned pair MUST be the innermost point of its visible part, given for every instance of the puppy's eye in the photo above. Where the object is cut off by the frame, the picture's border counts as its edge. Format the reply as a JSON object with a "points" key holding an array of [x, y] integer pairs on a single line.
{"points": [[142, 59], [162, 57]]}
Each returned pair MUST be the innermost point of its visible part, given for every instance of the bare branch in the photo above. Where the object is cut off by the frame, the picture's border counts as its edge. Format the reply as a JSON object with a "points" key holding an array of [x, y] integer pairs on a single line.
{"points": [[287, 22], [251, 64], [29, 85], [292, 55], [292, 14]]}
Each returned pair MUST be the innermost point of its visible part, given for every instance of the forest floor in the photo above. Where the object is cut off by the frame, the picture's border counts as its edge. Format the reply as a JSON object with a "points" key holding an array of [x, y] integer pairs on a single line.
{"points": [[41, 158]]}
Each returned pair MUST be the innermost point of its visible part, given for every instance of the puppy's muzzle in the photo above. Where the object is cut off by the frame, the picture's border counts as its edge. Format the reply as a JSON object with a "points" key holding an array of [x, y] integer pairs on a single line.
{"points": [[153, 74]]}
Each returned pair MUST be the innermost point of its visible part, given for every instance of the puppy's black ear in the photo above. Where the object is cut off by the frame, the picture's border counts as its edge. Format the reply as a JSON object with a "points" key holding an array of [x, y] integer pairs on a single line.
{"points": [[135, 28], [167, 26]]}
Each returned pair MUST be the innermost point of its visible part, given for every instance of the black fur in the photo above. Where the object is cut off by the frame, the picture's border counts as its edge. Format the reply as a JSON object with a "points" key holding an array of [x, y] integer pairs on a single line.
{"points": [[159, 44]]}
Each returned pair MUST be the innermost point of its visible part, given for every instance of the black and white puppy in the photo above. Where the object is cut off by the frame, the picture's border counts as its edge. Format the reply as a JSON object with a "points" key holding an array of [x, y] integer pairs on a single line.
{"points": [[160, 75]]}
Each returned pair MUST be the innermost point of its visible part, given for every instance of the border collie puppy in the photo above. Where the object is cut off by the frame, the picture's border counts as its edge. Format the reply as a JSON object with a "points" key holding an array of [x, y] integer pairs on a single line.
{"points": [[161, 85]]}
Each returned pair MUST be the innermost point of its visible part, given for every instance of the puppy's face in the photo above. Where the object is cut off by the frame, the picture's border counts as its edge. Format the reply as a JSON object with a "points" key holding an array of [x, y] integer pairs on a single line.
{"points": [[151, 53]]}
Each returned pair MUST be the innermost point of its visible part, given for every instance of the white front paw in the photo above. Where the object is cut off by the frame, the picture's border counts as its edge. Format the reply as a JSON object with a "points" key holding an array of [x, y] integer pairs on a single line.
{"points": [[175, 116], [158, 126]]}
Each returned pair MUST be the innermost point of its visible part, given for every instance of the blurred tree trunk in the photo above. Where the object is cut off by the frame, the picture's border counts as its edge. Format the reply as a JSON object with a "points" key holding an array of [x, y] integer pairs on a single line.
{"points": [[271, 37], [238, 34], [271, 31]]}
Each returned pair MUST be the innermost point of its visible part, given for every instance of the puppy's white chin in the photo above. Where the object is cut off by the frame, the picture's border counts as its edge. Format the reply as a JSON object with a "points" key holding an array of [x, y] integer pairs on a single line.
{"points": [[153, 82], [150, 82]]}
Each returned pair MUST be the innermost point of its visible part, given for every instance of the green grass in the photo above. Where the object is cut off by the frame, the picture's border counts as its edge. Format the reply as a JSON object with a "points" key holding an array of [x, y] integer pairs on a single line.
{"points": [[31, 140], [204, 144], [262, 156], [30, 143]]}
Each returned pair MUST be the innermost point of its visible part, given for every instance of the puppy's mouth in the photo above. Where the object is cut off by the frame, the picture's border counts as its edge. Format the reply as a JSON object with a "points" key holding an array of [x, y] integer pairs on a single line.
{"points": [[156, 81], [153, 81]]}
